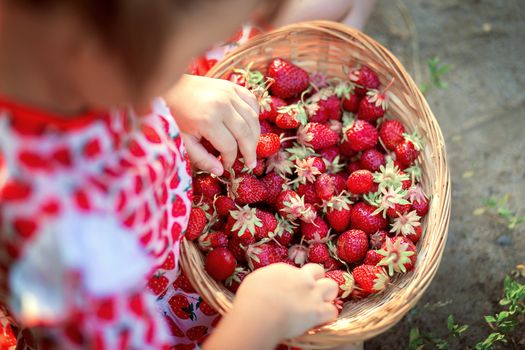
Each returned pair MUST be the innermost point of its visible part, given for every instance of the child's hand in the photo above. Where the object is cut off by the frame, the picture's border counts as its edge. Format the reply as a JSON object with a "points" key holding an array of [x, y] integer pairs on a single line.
{"points": [[224, 113], [289, 299]]}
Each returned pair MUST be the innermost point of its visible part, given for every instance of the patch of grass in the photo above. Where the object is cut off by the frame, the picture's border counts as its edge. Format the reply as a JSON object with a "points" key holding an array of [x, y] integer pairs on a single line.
{"points": [[511, 218], [437, 71], [503, 324]]}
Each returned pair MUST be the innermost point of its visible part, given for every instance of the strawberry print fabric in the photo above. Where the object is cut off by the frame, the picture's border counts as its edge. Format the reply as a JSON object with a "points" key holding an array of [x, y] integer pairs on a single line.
{"points": [[92, 210], [91, 213]]}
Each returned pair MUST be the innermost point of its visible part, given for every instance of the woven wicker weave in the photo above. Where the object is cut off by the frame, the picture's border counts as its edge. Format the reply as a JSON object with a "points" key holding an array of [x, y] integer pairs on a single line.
{"points": [[324, 47]]}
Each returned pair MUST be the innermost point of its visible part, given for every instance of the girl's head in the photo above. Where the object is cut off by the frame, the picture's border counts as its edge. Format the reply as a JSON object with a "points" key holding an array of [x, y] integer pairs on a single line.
{"points": [[110, 52]]}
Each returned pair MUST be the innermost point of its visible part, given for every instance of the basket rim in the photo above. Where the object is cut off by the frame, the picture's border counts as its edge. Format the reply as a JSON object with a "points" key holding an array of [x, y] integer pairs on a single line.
{"points": [[324, 337]]}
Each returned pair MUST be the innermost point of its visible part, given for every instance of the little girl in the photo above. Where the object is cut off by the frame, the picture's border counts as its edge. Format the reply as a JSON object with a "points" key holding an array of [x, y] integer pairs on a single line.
{"points": [[95, 184]]}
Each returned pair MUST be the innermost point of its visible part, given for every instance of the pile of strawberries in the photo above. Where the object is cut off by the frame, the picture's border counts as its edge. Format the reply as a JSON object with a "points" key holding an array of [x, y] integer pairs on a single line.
{"points": [[336, 184]]}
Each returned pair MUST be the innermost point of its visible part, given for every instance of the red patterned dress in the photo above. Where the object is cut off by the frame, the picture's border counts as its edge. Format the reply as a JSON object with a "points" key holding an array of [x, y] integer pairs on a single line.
{"points": [[92, 209]]}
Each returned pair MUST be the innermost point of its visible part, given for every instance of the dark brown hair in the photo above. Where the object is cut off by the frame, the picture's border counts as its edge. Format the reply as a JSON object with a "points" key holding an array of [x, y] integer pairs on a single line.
{"points": [[135, 30]]}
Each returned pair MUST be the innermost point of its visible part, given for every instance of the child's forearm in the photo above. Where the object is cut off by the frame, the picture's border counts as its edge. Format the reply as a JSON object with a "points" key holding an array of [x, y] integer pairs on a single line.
{"points": [[241, 330]]}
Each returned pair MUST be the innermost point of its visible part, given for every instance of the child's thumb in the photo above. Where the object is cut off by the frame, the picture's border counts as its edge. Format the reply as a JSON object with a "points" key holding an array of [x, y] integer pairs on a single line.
{"points": [[200, 158]]}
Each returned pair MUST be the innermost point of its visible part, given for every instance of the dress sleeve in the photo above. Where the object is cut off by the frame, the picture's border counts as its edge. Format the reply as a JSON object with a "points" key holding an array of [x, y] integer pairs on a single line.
{"points": [[80, 282]]}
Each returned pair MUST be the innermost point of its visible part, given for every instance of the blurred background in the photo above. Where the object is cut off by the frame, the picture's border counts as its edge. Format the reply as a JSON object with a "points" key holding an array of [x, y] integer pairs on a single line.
{"points": [[468, 56]]}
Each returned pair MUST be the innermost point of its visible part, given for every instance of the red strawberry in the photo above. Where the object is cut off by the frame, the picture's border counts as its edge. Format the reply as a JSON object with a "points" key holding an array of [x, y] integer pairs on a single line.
{"points": [[406, 153], [398, 209], [281, 251], [421, 207], [362, 218], [181, 307], [290, 205], [284, 232], [237, 246], [327, 108], [365, 78], [371, 279], [360, 182], [325, 187], [307, 169], [260, 167], [271, 112], [318, 253], [316, 231], [372, 159], [399, 255], [268, 145], [352, 245], [332, 264], [234, 281], [220, 264], [329, 154], [361, 135], [344, 280], [247, 189], [340, 180], [309, 193], [260, 255], [289, 80], [377, 239], [338, 211], [196, 333], [223, 205], [373, 257], [391, 133], [266, 127], [274, 185], [372, 106], [317, 136], [416, 236], [288, 120], [351, 104], [213, 240], [244, 222], [345, 148], [158, 283], [206, 308], [206, 185], [182, 282], [196, 223], [269, 224]]}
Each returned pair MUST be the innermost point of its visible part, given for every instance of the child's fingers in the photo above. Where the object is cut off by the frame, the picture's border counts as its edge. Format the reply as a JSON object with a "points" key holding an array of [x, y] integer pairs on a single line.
{"points": [[250, 115], [246, 140], [222, 139], [316, 270], [200, 157], [248, 97], [328, 288], [326, 312]]}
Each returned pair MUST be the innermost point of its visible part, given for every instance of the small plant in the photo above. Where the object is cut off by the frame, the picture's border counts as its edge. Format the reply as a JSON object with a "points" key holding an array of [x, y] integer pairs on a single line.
{"points": [[506, 321], [418, 339], [437, 71], [503, 323], [510, 218]]}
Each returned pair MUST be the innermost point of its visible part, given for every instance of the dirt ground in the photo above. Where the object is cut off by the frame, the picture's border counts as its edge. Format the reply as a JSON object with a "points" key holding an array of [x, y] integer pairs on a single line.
{"points": [[482, 115]]}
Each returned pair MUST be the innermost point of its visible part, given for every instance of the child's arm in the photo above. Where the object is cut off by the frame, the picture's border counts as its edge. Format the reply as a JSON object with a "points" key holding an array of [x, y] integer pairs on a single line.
{"points": [[220, 111], [273, 304]]}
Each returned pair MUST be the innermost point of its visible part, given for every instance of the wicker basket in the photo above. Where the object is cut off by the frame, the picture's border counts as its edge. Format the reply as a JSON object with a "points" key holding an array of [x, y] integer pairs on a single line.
{"points": [[324, 47]]}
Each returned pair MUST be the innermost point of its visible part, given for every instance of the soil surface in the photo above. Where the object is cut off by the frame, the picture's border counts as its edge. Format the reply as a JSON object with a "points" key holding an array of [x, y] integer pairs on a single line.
{"points": [[482, 116]]}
